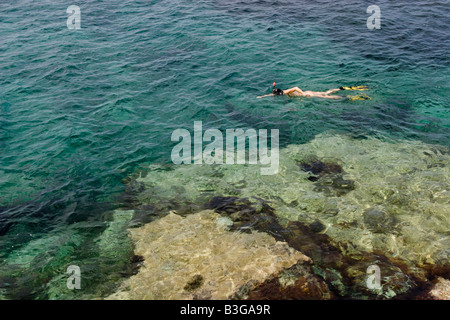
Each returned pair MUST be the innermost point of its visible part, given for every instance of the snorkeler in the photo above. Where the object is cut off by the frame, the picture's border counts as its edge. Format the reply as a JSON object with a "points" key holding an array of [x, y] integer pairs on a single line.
{"points": [[297, 92]]}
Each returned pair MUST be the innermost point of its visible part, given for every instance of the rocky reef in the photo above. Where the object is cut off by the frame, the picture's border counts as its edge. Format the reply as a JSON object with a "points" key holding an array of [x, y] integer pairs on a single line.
{"points": [[346, 203]]}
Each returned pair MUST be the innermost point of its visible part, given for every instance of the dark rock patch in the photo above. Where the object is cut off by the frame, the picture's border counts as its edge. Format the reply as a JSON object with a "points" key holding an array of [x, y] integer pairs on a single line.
{"points": [[293, 204], [317, 226], [137, 259], [221, 204], [248, 214], [377, 220], [294, 283], [195, 283], [145, 213], [328, 177], [320, 168], [334, 185], [127, 199], [132, 268]]}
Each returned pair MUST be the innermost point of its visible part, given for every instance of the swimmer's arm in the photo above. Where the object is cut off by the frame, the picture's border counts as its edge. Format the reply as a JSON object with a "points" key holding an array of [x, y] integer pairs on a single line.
{"points": [[267, 95]]}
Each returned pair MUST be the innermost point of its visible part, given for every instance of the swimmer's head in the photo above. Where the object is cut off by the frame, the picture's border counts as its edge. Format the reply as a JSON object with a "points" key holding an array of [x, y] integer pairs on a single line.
{"points": [[277, 92]]}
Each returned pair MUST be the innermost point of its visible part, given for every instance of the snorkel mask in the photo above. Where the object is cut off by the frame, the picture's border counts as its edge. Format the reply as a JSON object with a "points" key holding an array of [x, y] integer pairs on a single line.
{"points": [[275, 91]]}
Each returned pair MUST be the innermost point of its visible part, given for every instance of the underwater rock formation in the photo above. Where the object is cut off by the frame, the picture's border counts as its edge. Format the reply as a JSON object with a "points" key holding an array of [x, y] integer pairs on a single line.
{"points": [[408, 179], [172, 242], [334, 185], [320, 168], [370, 197], [328, 177], [377, 220], [295, 283], [317, 226], [248, 214], [195, 257]]}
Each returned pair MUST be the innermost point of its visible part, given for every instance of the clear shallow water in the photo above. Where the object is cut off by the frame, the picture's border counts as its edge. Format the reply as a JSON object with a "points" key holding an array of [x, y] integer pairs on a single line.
{"points": [[80, 110]]}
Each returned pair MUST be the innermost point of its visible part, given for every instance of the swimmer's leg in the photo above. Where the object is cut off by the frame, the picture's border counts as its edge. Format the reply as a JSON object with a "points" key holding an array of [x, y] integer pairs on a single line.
{"points": [[294, 90], [333, 97]]}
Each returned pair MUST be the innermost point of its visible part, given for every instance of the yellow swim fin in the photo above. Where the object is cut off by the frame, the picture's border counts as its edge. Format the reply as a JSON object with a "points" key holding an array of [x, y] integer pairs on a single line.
{"points": [[359, 97], [355, 88]]}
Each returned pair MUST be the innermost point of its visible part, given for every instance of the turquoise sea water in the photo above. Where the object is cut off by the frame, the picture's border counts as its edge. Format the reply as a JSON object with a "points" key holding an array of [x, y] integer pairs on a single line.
{"points": [[82, 109]]}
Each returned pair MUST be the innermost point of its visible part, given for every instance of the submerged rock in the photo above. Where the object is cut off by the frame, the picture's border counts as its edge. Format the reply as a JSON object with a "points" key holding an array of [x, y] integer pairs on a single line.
{"points": [[195, 283], [247, 214], [318, 167], [294, 283], [377, 220], [317, 226], [193, 257], [128, 198], [144, 214], [334, 185], [328, 177]]}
